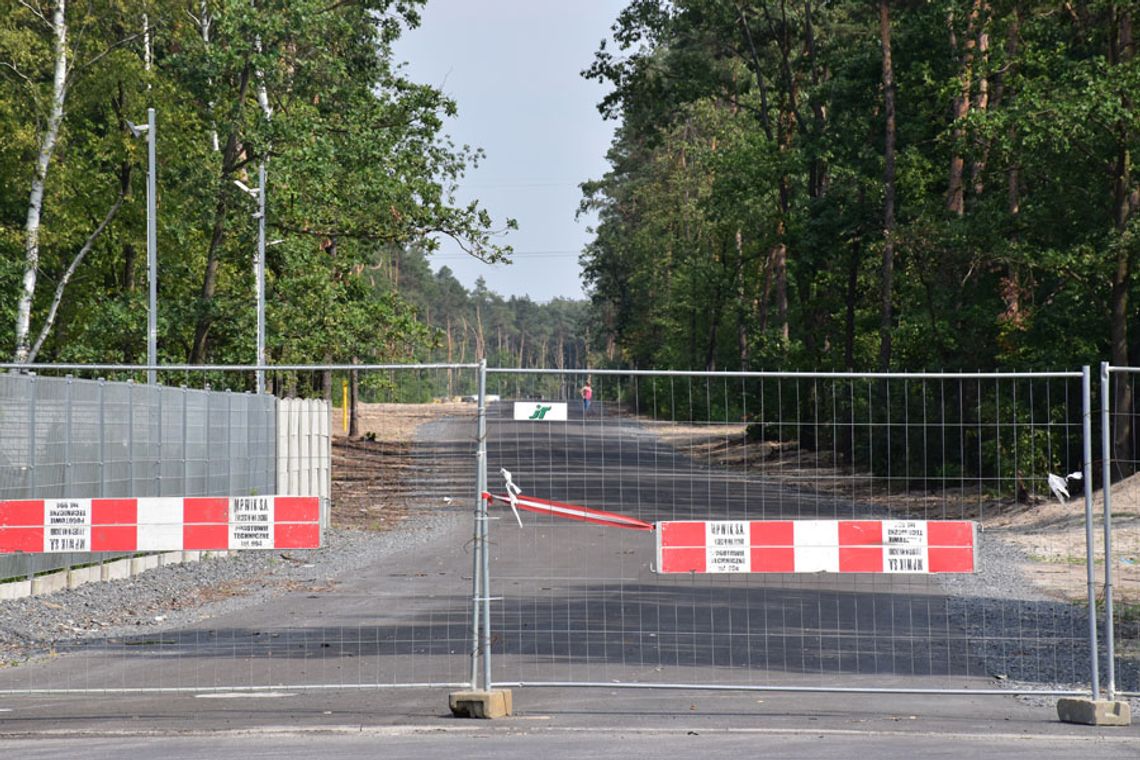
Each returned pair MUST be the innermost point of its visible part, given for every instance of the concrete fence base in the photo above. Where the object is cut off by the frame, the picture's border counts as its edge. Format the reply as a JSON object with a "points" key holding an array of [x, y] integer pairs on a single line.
{"points": [[484, 705], [15, 590], [115, 570], [1090, 712]]}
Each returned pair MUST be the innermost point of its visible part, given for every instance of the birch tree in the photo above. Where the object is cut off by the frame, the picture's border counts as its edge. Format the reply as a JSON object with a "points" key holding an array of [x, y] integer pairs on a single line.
{"points": [[49, 135], [42, 40]]}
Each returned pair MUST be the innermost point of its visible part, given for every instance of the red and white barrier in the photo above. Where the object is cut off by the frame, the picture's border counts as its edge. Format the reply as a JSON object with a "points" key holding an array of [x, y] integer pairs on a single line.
{"points": [[160, 524], [817, 546]]}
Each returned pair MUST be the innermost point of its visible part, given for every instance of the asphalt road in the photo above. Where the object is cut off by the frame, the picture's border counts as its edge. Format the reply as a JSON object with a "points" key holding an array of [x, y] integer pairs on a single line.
{"points": [[573, 603]]}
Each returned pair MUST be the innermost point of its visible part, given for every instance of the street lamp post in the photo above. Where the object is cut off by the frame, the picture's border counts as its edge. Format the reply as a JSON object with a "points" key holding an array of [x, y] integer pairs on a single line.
{"points": [[137, 130], [151, 253], [261, 277]]}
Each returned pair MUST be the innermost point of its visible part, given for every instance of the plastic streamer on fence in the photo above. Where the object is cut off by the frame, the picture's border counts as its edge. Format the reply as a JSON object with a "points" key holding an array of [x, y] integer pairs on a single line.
{"points": [[516, 500]]}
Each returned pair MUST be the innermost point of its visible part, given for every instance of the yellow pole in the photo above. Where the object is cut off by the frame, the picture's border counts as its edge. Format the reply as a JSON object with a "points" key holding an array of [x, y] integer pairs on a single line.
{"points": [[344, 388]]}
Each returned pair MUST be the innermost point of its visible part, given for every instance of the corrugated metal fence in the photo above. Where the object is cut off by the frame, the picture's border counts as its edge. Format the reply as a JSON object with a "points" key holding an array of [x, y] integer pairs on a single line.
{"points": [[66, 437]]}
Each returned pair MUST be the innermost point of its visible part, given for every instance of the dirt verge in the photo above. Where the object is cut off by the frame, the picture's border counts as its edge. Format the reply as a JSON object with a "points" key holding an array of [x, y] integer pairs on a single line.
{"points": [[1051, 533], [373, 474]]}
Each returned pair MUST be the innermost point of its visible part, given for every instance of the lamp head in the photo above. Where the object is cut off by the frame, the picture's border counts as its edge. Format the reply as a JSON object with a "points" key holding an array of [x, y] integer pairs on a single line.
{"points": [[137, 130], [253, 191]]}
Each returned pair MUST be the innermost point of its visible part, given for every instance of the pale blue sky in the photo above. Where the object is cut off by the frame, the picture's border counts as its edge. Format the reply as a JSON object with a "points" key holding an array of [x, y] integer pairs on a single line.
{"points": [[513, 68]]}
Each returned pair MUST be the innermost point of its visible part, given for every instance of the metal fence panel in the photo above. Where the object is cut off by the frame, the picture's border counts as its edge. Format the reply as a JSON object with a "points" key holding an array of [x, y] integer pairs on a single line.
{"points": [[171, 467], [579, 604], [71, 437], [389, 604], [583, 604]]}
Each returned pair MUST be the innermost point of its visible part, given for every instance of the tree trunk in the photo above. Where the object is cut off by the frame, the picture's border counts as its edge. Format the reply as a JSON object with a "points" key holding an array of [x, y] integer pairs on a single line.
{"points": [[210, 278], [714, 329], [129, 257], [480, 341], [450, 371], [817, 182], [982, 99], [955, 196], [39, 179], [209, 283], [741, 304], [781, 266], [888, 187], [204, 29], [1012, 318], [1126, 197]]}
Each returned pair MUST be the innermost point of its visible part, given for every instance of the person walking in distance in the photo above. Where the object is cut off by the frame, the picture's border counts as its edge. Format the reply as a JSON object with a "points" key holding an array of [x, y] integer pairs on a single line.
{"points": [[587, 396]]}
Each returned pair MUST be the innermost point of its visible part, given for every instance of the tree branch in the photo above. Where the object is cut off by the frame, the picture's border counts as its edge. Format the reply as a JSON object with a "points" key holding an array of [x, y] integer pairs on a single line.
{"points": [[35, 12], [17, 72], [75, 262], [105, 53], [336, 5]]}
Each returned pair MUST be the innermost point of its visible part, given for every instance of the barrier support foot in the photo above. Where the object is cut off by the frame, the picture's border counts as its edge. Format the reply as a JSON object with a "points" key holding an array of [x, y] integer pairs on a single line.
{"points": [[495, 703], [1091, 712]]}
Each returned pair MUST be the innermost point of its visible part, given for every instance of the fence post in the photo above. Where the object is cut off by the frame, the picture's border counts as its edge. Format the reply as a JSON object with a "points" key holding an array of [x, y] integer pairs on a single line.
{"points": [[1106, 489], [102, 438], [477, 542], [67, 429], [31, 436], [481, 478], [1086, 469]]}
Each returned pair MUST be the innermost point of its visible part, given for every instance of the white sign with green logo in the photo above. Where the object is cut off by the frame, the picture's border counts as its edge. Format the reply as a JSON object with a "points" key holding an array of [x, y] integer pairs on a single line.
{"points": [[540, 411]]}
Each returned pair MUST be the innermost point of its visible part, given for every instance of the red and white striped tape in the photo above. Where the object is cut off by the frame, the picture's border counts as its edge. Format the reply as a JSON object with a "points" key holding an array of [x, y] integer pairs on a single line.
{"points": [[160, 524], [569, 511], [817, 546]]}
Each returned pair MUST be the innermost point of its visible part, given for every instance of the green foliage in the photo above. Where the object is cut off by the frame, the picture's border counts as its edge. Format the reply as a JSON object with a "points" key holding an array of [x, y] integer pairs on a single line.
{"points": [[741, 223], [357, 167]]}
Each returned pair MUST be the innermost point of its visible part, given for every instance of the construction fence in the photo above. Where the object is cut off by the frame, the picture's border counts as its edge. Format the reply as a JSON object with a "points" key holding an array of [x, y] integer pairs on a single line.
{"points": [[66, 437], [843, 482]]}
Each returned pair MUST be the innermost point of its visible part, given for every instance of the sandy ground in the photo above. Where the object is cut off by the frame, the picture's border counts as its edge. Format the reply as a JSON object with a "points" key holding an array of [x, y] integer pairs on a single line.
{"points": [[372, 474], [397, 423]]}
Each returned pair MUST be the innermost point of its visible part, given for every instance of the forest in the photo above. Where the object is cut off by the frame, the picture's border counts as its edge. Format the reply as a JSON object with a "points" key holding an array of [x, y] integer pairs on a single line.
{"points": [[858, 185], [839, 185]]}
